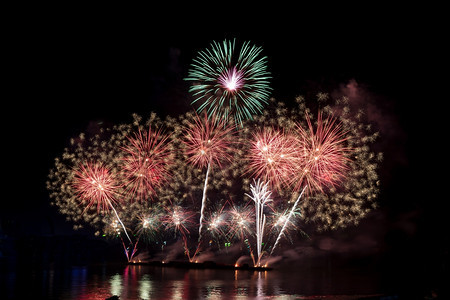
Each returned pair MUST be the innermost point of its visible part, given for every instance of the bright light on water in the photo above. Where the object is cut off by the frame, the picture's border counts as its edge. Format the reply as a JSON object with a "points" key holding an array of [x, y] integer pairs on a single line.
{"points": [[116, 284], [147, 282]]}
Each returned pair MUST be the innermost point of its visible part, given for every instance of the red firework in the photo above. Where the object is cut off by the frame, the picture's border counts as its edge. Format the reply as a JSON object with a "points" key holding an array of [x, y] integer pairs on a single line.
{"points": [[322, 156], [146, 163], [95, 184], [272, 156], [208, 141]]}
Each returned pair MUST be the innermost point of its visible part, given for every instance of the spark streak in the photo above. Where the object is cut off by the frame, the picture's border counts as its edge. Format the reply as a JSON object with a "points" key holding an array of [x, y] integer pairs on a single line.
{"points": [[287, 221]]}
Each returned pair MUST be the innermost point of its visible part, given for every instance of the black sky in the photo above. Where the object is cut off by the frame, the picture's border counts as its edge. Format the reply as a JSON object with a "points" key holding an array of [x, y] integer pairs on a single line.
{"points": [[67, 70]]}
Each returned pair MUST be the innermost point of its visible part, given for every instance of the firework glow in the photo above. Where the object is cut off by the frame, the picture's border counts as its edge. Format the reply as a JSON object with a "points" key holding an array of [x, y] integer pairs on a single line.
{"points": [[263, 172]]}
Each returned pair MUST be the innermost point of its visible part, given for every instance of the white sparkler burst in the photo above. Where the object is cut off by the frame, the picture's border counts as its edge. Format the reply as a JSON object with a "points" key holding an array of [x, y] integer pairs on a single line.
{"points": [[261, 195]]}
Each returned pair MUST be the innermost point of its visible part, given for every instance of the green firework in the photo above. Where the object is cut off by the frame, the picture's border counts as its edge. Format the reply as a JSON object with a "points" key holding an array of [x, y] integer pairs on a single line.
{"points": [[230, 82]]}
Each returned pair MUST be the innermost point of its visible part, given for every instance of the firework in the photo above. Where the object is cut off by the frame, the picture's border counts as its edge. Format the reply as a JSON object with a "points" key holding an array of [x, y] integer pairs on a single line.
{"points": [[241, 221], [149, 224], [95, 184], [178, 219], [261, 196], [344, 184], [280, 218], [229, 82], [146, 163], [322, 154], [287, 220], [322, 161], [272, 156], [217, 223], [208, 143]]}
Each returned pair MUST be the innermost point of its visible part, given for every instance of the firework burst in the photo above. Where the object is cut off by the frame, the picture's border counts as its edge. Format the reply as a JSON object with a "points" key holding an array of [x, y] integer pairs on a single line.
{"points": [[149, 225], [322, 154], [217, 224], [208, 141], [272, 157], [178, 218], [241, 219], [95, 184], [146, 163], [230, 83], [280, 218]]}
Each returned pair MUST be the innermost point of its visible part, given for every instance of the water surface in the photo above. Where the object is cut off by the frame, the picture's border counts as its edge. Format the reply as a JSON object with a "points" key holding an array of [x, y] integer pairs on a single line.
{"points": [[152, 282]]}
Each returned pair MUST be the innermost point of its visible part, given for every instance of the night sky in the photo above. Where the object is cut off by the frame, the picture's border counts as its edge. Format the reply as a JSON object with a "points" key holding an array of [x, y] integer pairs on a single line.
{"points": [[70, 71]]}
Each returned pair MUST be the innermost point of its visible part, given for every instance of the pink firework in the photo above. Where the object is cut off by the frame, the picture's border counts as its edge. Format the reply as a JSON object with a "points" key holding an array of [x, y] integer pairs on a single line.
{"points": [[216, 223], [208, 141], [95, 184], [232, 79], [272, 156], [146, 163], [178, 218], [241, 220], [322, 156]]}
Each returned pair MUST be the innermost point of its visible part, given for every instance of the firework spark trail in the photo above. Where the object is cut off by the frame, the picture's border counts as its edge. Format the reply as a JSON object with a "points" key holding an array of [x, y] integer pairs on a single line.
{"points": [[207, 143], [120, 221], [287, 220], [261, 196], [203, 204]]}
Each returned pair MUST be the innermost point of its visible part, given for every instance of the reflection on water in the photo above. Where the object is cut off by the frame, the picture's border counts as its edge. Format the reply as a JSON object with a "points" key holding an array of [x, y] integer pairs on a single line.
{"points": [[150, 282]]}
